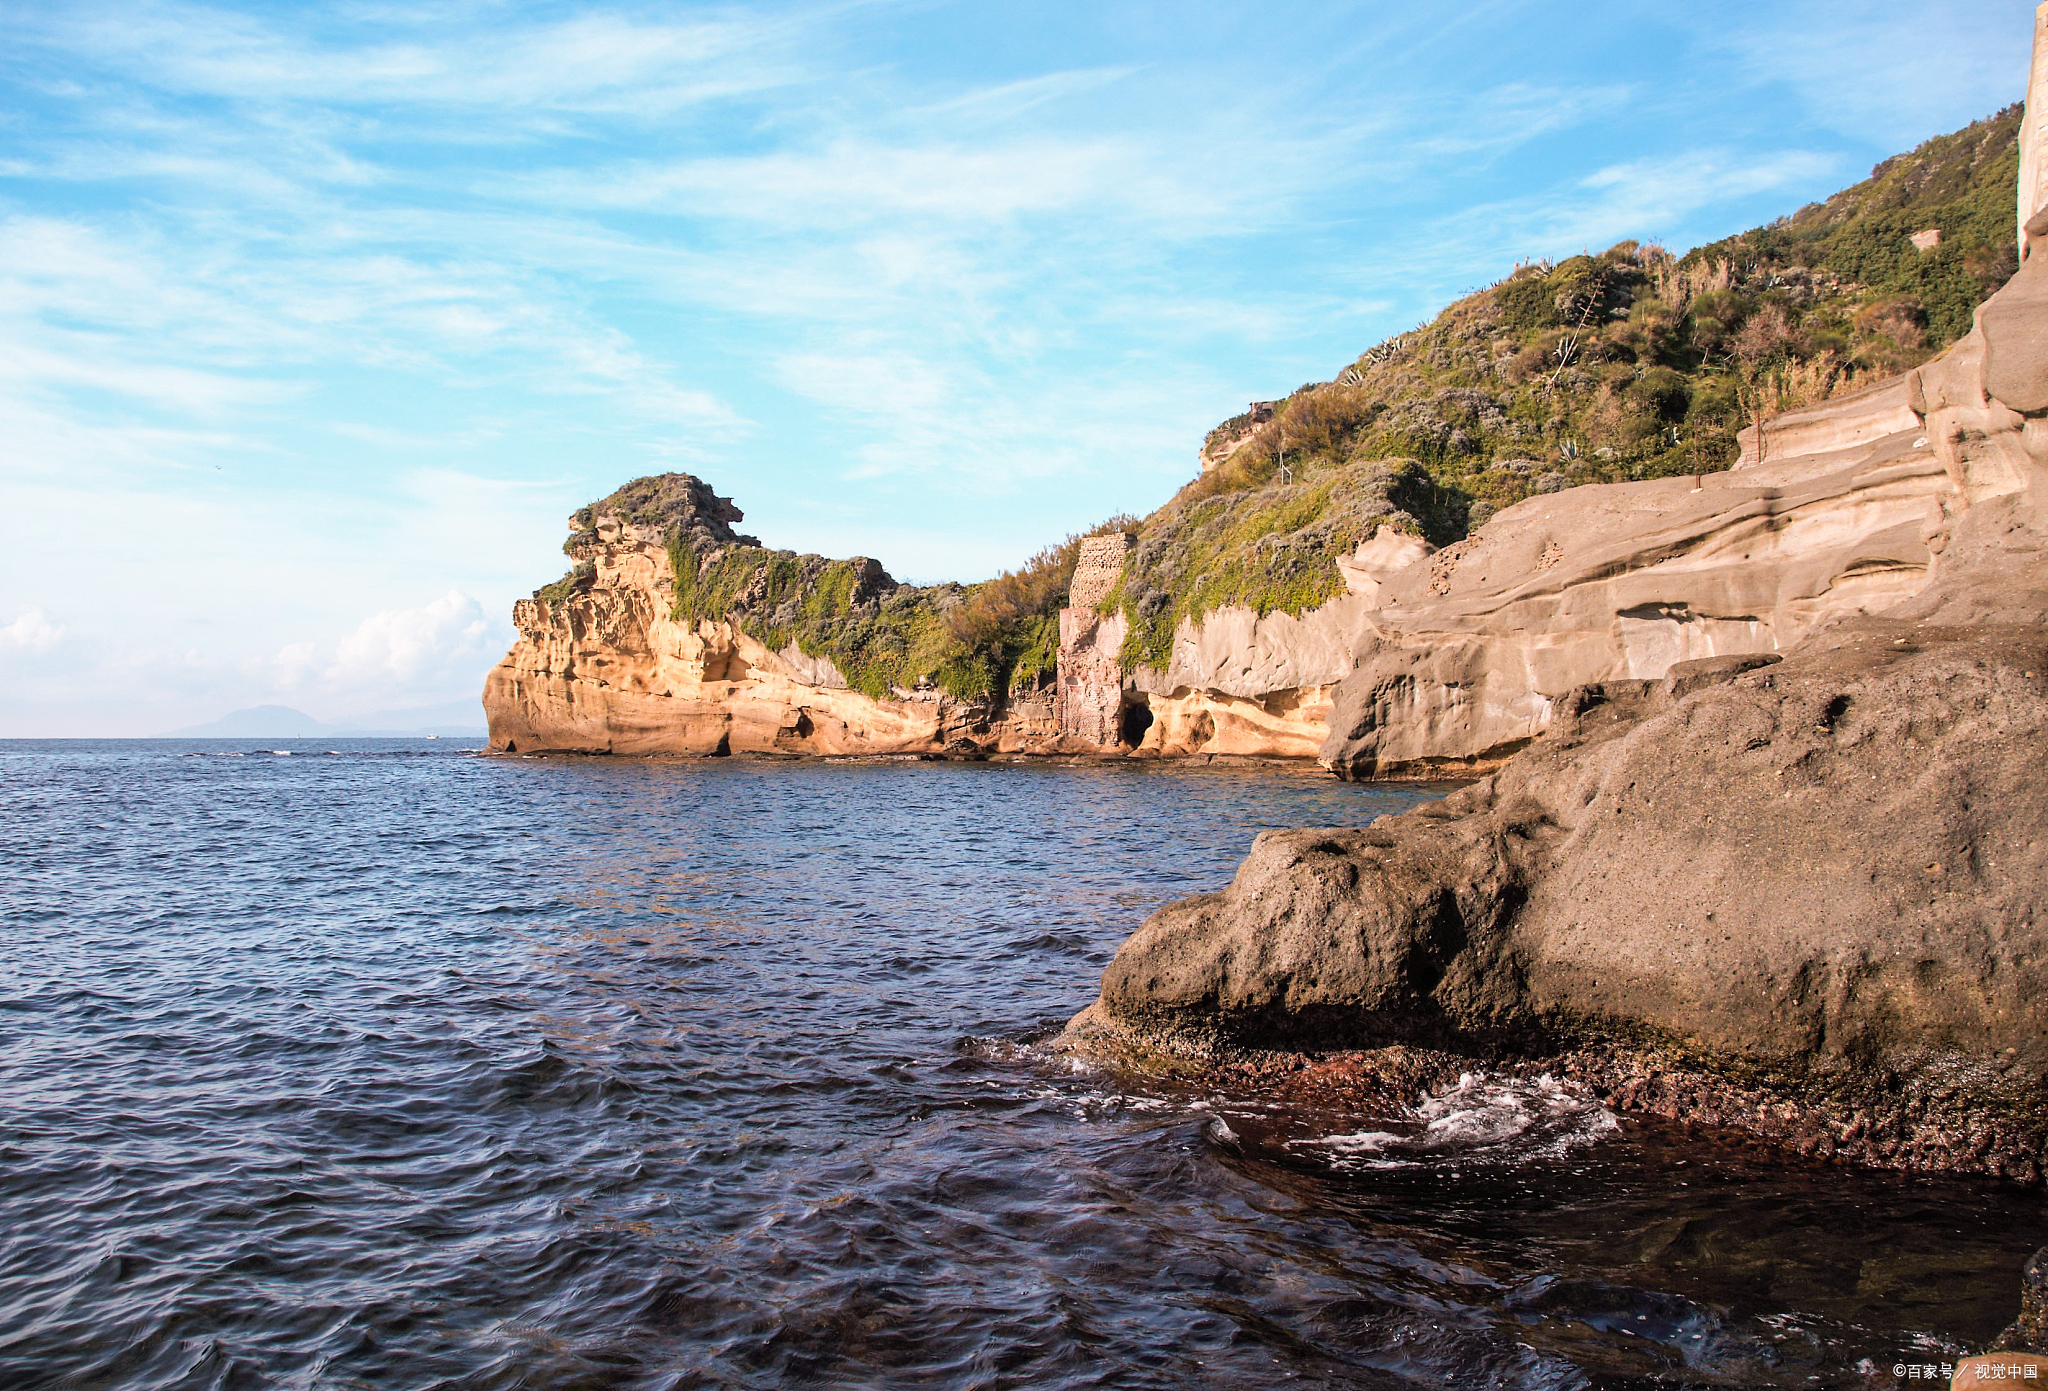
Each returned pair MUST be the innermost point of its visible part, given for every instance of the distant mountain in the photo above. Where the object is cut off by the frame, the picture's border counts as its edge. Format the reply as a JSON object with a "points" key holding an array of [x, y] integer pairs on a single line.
{"points": [[456, 719], [257, 722]]}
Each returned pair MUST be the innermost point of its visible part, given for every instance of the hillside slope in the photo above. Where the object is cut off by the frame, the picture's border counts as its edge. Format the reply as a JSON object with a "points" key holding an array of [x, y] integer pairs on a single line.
{"points": [[1788, 880], [1626, 365]]}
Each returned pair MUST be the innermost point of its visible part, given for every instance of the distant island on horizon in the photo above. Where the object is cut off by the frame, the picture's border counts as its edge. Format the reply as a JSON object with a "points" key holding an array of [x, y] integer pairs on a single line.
{"points": [[457, 719]]}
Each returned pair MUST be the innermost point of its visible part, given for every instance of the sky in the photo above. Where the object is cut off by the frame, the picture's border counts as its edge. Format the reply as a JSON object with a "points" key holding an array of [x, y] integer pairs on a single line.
{"points": [[317, 321]]}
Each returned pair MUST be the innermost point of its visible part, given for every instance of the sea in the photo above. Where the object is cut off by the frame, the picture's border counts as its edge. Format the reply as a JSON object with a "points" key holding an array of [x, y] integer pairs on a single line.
{"points": [[396, 1064]]}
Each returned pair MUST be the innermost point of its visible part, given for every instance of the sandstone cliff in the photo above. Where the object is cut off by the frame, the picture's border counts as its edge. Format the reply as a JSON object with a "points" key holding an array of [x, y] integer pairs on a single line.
{"points": [[1402, 568], [616, 658], [1465, 651]]}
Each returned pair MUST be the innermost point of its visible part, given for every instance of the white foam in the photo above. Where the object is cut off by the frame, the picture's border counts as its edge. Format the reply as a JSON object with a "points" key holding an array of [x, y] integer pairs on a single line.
{"points": [[1483, 1119], [1365, 1142]]}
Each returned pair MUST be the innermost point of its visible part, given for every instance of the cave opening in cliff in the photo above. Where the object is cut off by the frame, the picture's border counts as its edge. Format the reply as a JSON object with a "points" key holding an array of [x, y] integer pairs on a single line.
{"points": [[1131, 727]]}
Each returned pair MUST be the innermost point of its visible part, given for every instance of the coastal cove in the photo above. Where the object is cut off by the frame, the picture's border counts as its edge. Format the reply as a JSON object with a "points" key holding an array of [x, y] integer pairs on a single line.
{"points": [[363, 1063], [1756, 718]]}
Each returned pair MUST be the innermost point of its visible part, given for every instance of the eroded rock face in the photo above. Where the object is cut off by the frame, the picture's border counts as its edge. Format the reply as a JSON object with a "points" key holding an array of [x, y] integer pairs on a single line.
{"points": [[1468, 649], [1448, 662], [1090, 682], [1824, 880], [1431, 663], [608, 671]]}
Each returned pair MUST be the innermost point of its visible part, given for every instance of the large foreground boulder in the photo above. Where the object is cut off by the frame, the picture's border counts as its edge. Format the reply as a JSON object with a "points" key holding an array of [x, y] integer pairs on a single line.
{"points": [[1819, 886]]}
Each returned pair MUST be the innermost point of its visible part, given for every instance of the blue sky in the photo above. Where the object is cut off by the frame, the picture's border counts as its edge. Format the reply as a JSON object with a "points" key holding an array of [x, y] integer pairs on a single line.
{"points": [[315, 322]]}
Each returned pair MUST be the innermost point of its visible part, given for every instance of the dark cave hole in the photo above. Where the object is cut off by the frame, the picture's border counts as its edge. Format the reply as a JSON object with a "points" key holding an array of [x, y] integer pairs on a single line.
{"points": [[1135, 721]]}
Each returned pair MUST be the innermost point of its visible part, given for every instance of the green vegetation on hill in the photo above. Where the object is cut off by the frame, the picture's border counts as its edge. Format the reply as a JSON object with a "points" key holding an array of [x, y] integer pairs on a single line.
{"points": [[1271, 546], [879, 634], [976, 642], [1624, 365]]}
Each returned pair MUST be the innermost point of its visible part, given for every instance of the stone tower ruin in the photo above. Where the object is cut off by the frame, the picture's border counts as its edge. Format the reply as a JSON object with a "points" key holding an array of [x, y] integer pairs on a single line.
{"points": [[1090, 670]]}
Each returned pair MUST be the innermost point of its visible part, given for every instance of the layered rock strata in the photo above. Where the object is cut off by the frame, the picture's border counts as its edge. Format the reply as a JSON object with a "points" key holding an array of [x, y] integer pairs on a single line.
{"points": [[1449, 661], [1806, 897], [1462, 654], [1428, 661], [1432, 662], [610, 670]]}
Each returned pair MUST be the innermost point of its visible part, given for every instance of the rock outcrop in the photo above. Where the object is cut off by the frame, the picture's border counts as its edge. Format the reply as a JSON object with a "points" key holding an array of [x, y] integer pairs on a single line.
{"points": [[1433, 662], [609, 671], [1629, 364], [615, 659], [1465, 651], [1780, 865], [2020, 1353], [607, 668], [1449, 661], [1260, 613], [1809, 898]]}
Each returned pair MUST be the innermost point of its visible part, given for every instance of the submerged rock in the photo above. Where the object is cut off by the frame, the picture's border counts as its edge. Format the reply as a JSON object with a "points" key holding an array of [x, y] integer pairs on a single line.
{"points": [[2029, 1332]]}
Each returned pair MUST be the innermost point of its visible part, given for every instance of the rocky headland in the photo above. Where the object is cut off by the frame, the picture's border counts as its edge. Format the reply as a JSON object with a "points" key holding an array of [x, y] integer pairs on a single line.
{"points": [[1799, 891]]}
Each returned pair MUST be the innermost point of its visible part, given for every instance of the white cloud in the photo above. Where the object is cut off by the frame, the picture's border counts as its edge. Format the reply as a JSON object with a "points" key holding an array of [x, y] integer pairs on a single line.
{"points": [[1648, 196], [228, 324], [856, 181], [414, 649], [1658, 199], [31, 631]]}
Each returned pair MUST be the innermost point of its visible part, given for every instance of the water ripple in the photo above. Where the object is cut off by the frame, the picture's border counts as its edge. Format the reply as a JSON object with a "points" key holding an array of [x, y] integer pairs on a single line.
{"points": [[399, 1067]]}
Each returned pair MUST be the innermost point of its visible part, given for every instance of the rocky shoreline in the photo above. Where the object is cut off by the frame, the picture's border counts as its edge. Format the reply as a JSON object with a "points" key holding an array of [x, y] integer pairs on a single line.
{"points": [[1804, 901]]}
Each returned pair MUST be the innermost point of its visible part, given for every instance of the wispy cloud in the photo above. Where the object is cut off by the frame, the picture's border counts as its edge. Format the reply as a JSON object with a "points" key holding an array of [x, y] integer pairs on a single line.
{"points": [[1647, 197], [1898, 73], [417, 652], [595, 62]]}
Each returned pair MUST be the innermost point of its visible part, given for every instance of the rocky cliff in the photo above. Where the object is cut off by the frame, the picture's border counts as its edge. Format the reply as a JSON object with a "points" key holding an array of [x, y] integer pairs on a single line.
{"points": [[1403, 568], [1464, 652], [1779, 866], [1401, 571], [674, 634], [1431, 660], [1439, 660]]}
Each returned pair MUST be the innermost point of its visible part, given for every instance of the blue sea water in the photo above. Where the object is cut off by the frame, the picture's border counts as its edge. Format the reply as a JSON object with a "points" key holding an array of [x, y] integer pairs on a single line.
{"points": [[388, 1064]]}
